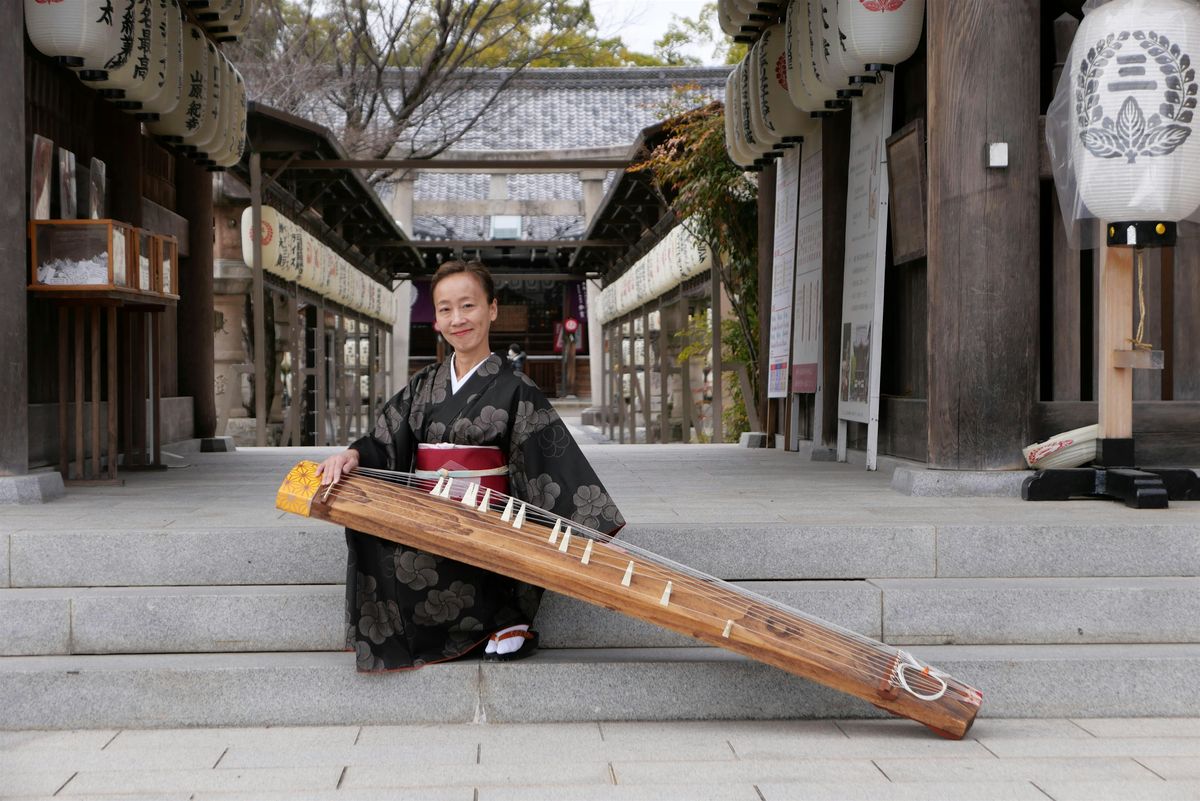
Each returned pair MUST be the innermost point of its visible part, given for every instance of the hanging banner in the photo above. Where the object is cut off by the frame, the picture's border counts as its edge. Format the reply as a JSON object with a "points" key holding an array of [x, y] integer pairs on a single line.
{"points": [[866, 251], [787, 185], [806, 302]]}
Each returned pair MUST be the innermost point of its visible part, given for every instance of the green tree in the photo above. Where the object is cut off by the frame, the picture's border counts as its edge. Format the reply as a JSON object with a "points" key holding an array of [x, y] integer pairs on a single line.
{"points": [[701, 31]]}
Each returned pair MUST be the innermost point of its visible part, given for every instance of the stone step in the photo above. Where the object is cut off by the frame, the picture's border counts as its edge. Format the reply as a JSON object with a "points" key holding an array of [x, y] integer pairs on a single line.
{"points": [[900, 611], [313, 552], [271, 689]]}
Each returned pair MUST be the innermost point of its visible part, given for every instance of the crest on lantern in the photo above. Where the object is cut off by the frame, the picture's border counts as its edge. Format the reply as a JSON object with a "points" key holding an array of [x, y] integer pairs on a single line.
{"points": [[1120, 129]]}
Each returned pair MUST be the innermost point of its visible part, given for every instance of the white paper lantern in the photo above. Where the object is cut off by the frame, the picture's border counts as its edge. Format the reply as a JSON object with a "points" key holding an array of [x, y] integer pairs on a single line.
{"points": [[879, 34], [168, 68], [126, 73], [762, 131], [804, 42], [188, 114], [832, 64], [729, 19], [764, 151], [201, 137], [82, 34], [235, 146], [239, 23], [736, 150], [778, 112], [1135, 154]]}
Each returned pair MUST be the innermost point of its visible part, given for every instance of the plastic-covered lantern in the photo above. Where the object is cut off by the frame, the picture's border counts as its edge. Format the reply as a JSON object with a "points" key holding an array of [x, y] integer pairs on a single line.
{"points": [[1121, 127], [82, 34], [879, 34], [778, 112], [126, 73], [737, 152], [187, 115]]}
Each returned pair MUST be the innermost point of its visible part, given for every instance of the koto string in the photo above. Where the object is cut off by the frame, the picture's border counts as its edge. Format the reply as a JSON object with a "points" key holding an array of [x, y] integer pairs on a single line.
{"points": [[884, 661], [834, 645]]}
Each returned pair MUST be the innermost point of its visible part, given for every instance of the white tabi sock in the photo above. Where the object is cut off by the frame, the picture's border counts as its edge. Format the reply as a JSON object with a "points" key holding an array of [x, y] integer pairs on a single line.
{"points": [[508, 645]]}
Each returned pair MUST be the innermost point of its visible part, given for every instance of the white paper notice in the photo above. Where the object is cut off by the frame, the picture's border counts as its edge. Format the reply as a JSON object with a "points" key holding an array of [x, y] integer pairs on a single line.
{"points": [[866, 231], [806, 324], [787, 180]]}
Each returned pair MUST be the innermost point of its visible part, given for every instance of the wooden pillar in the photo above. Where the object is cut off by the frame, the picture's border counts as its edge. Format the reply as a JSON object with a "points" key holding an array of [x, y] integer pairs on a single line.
{"points": [[197, 353], [258, 300], [1185, 298], [1067, 373], [983, 265], [664, 373], [646, 371], [766, 272], [717, 409], [96, 344], [835, 164], [685, 378], [64, 389], [113, 392], [14, 260], [322, 391], [1116, 311]]}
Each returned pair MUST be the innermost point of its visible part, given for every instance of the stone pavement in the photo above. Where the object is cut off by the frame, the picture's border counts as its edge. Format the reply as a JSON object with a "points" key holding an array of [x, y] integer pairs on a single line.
{"points": [[1147, 759]]}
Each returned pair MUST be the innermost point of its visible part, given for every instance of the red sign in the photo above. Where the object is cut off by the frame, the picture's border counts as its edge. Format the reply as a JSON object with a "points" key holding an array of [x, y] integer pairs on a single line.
{"points": [[571, 324]]}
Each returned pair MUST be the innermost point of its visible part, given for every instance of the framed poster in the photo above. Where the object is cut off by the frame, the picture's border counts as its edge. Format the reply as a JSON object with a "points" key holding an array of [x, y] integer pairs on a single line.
{"points": [[908, 177], [41, 169], [783, 264], [68, 206], [97, 208], [806, 303]]}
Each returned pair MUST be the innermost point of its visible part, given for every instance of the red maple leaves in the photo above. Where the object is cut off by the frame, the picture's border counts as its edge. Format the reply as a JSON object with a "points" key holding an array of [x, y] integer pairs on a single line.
{"points": [[882, 5]]}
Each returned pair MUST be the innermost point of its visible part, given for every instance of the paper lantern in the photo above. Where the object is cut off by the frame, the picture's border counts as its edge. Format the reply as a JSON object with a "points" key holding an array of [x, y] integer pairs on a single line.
{"points": [[187, 115], [218, 148], [762, 131], [1134, 86], [778, 112], [729, 19], [831, 63], [763, 150], [236, 144], [239, 23], [733, 146], [82, 34], [879, 34], [804, 84], [282, 243], [126, 73], [167, 72], [202, 136]]}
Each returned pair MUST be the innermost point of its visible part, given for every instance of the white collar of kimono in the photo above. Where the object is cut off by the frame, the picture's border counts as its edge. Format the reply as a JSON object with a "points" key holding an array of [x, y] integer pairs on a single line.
{"points": [[455, 381]]}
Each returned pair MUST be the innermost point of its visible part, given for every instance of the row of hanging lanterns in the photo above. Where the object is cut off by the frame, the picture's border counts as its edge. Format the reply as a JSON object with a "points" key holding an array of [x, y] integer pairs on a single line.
{"points": [[293, 254], [146, 57], [812, 63]]}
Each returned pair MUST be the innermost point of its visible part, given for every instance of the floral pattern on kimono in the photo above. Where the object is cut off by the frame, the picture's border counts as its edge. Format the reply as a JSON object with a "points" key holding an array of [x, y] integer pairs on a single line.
{"points": [[406, 608]]}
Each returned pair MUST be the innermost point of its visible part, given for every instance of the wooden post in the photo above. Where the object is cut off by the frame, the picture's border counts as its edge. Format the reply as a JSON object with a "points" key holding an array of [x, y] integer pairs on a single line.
{"points": [[292, 423], [631, 368], [152, 350], [835, 162], [1068, 320], [685, 378], [14, 258], [1116, 310], [258, 298], [96, 343], [113, 392], [717, 408], [64, 390], [766, 273], [1185, 296], [196, 372], [80, 393], [983, 253], [321, 437], [646, 365], [620, 389], [664, 374]]}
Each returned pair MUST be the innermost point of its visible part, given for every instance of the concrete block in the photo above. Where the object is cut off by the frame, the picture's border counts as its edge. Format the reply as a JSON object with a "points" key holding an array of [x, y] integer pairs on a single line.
{"points": [[1007, 770], [94, 783], [752, 771], [4, 547], [794, 551], [922, 482], [544, 774], [624, 792], [275, 738], [43, 783], [209, 619], [704, 731], [166, 759], [1136, 747], [39, 487], [643, 750], [773, 748], [77, 740], [1003, 551], [567, 623], [752, 439], [915, 791], [217, 445], [1174, 768], [149, 691], [993, 728], [401, 752], [34, 622], [1122, 791], [312, 553], [1028, 611], [537, 737], [1139, 727]]}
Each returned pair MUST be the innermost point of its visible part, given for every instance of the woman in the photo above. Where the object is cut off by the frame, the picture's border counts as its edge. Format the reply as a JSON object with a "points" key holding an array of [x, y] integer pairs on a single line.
{"points": [[475, 416]]}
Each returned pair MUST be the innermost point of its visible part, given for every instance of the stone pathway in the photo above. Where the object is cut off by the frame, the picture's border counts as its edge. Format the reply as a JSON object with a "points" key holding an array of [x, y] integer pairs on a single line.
{"points": [[1067, 760]]}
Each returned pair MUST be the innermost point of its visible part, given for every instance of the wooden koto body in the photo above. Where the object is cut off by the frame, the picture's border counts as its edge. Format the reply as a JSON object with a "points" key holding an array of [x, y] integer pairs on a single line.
{"points": [[553, 553]]}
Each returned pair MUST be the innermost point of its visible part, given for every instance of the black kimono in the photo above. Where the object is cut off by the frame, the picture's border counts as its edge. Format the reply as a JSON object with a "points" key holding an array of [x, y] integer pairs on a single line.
{"points": [[406, 608]]}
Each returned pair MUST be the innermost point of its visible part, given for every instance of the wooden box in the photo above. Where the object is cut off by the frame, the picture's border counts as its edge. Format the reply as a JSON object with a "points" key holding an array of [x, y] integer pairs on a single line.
{"points": [[168, 265], [74, 255]]}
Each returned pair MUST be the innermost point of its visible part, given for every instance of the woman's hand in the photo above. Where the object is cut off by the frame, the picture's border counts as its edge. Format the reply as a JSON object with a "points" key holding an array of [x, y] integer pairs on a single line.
{"points": [[332, 469]]}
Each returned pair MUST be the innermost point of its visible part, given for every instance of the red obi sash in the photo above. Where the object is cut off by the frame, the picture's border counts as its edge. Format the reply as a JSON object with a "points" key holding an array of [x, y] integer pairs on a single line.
{"points": [[483, 465]]}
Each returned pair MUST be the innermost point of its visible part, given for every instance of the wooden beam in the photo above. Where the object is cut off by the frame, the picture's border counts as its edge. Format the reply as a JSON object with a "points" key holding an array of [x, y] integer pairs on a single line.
{"points": [[1116, 311], [983, 264]]}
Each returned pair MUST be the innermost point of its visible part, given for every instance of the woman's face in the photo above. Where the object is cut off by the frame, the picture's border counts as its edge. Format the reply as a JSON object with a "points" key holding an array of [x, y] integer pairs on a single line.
{"points": [[463, 314]]}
